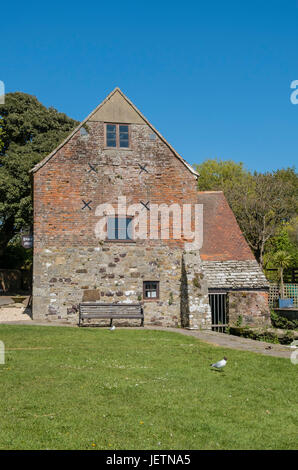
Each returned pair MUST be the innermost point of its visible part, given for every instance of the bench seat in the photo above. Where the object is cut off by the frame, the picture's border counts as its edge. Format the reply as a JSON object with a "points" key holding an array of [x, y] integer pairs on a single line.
{"points": [[97, 310]]}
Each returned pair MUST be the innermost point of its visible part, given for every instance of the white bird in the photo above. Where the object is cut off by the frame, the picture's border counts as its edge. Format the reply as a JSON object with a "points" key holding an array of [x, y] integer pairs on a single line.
{"points": [[113, 328], [220, 364]]}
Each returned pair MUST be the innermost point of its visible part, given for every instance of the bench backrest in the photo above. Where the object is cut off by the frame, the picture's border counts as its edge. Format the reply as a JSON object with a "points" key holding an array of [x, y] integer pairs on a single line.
{"points": [[105, 308]]}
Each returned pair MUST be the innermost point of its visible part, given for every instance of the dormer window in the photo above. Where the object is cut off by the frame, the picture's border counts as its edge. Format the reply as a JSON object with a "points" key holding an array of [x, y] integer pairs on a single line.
{"points": [[117, 135]]}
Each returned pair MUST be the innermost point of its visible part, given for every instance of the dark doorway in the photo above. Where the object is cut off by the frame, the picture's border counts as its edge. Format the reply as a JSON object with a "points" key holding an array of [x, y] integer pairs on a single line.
{"points": [[218, 304]]}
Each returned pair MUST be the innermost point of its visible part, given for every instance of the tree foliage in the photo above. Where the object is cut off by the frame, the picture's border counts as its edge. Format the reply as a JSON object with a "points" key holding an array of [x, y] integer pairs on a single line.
{"points": [[1, 135], [282, 259], [261, 202], [217, 175], [30, 131]]}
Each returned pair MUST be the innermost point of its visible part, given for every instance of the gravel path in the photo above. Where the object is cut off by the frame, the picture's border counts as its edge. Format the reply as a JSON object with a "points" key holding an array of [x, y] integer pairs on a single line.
{"points": [[14, 313], [5, 300]]}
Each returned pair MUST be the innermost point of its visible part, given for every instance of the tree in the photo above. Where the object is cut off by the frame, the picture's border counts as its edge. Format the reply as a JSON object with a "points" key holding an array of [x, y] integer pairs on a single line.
{"points": [[282, 260], [262, 207], [284, 240], [262, 203], [1, 135], [218, 175], [30, 131], [292, 230]]}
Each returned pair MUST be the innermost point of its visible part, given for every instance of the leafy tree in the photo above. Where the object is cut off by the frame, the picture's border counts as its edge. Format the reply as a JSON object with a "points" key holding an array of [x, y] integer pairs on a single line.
{"points": [[261, 202], [292, 231], [284, 240], [30, 131], [1, 135], [218, 175], [282, 260], [261, 206]]}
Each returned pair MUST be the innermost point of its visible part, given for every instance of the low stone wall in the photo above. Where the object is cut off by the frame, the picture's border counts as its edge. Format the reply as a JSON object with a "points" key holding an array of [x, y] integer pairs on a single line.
{"points": [[271, 335], [248, 307]]}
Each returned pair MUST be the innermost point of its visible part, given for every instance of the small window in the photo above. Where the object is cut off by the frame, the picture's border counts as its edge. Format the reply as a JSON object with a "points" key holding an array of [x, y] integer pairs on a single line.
{"points": [[151, 290], [83, 131], [117, 135], [119, 228]]}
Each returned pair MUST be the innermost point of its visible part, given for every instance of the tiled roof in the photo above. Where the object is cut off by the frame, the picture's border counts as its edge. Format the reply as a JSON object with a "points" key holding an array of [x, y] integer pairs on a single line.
{"points": [[234, 275], [222, 237], [227, 260]]}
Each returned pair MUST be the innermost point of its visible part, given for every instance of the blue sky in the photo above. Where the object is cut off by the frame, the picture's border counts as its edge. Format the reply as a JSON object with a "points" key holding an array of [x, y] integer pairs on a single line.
{"points": [[213, 77]]}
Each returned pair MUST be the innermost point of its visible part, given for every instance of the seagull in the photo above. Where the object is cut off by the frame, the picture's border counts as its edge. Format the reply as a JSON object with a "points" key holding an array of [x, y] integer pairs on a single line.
{"points": [[220, 364], [113, 328]]}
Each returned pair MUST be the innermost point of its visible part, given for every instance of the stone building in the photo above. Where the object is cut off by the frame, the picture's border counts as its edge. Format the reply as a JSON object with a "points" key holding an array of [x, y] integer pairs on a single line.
{"points": [[118, 219]]}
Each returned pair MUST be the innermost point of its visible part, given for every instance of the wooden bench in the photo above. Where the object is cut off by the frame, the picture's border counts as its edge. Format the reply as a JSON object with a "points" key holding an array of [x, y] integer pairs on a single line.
{"points": [[96, 310]]}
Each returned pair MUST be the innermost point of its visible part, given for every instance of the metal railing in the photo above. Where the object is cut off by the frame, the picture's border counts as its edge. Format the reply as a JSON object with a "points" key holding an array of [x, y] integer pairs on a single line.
{"points": [[218, 304]]}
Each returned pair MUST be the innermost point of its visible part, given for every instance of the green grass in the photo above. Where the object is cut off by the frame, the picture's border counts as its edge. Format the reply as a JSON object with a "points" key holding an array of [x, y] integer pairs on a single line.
{"points": [[140, 389]]}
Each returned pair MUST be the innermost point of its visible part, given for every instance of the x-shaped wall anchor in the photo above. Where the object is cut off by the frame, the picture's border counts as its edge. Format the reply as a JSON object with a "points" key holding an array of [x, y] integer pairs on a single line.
{"points": [[145, 205], [86, 204], [92, 168], [143, 168]]}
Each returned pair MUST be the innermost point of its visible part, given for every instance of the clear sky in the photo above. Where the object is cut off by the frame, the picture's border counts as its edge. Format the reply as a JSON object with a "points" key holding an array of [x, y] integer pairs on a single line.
{"points": [[212, 76]]}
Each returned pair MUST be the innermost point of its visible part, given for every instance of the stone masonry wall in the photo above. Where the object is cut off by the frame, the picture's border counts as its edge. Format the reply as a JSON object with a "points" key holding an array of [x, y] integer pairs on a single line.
{"points": [[70, 263], [115, 274], [238, 278], [195, 309], [249, 307]]}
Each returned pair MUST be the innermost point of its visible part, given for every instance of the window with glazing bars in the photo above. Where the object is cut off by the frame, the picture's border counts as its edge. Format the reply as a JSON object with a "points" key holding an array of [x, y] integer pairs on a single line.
{"points": [[117, 135], [151, 290], [119, 228]]}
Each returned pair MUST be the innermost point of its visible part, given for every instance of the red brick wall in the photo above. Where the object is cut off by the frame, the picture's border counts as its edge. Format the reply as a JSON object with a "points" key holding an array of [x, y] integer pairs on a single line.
{"points": [[66, 179]]}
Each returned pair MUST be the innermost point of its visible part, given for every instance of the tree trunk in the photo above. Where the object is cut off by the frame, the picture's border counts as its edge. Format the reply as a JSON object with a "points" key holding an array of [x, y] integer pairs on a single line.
{"points": [[281, 283]]}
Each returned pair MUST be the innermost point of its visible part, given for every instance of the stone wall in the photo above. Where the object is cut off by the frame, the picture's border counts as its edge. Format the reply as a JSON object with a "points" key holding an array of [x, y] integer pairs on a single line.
{"points": [[115, 273], [195, 309], [247, 289], [248, 307]]}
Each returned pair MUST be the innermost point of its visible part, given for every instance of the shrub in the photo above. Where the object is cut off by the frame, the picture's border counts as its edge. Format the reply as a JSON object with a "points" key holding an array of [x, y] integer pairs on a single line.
{"points": [[278, 321]]}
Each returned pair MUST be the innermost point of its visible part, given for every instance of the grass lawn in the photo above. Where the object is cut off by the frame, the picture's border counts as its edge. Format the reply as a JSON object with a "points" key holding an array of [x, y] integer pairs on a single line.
{"points": [[68, 388]]}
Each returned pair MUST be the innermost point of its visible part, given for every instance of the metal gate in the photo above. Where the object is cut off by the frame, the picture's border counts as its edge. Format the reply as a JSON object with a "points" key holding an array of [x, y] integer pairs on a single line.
{"points": [[218, 304]]}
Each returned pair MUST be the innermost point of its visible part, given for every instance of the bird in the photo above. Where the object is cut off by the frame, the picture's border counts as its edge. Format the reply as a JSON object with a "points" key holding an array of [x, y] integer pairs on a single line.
{"points": [[113, 328], [220, 364]]}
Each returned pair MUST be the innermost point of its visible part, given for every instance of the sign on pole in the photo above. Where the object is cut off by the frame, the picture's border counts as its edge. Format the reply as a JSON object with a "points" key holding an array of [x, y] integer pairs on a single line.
{"points": [[27, 241]]}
